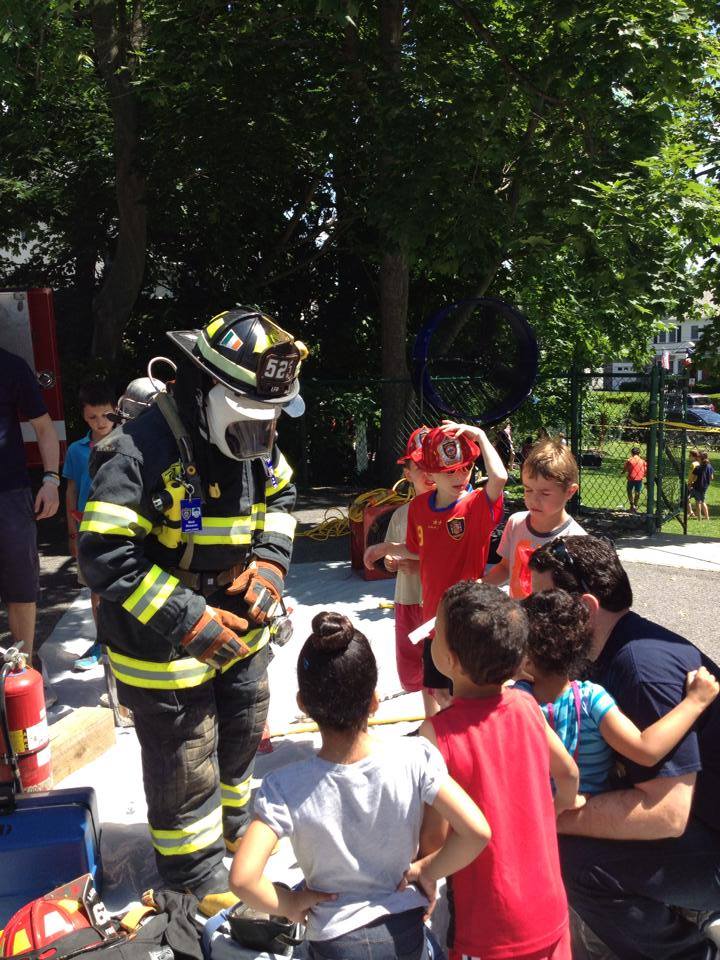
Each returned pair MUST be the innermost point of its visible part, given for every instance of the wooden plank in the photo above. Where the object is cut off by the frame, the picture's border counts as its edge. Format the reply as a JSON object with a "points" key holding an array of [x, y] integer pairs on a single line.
{"points": [[79, 738]]}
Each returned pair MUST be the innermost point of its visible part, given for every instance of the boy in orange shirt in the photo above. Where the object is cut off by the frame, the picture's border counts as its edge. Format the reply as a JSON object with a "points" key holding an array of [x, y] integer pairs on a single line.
{"points": [[635, 468]]}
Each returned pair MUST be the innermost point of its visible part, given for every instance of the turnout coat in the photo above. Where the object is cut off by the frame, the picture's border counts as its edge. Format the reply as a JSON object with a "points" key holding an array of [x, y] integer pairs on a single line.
{"points": [[131, 544]]}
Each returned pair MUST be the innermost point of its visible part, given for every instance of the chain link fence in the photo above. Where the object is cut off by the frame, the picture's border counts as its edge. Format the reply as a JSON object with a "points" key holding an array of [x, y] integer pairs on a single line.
{"points": [[337, 439], [613, 419], [602, 416]]}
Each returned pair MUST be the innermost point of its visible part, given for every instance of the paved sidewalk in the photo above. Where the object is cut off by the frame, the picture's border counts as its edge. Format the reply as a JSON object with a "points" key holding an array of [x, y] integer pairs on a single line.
{"points": [[685, 552]]}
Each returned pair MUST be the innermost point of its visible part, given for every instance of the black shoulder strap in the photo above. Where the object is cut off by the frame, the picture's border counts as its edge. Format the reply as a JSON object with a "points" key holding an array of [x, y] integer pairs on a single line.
{"points": [[168, 408]]}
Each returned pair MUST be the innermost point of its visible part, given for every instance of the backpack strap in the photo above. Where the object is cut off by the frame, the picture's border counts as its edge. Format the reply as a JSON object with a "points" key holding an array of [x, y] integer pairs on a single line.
{"points": [[168, 408]]}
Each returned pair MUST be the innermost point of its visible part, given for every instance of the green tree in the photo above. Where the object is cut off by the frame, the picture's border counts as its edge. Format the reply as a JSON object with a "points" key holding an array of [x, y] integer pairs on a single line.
{"points": [[354, 166]]}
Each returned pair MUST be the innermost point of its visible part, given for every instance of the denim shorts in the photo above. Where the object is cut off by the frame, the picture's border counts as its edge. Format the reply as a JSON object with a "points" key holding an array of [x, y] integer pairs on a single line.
{"points": [[19, 565], [399, 936]]}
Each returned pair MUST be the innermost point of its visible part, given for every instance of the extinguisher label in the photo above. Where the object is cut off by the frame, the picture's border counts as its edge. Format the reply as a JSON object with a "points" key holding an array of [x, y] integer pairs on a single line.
{"points": [[43, 756], [30, 738]]}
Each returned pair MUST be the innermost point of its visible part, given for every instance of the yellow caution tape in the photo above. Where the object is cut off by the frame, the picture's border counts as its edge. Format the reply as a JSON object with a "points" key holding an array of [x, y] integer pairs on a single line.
{"points": [[698, 427]]}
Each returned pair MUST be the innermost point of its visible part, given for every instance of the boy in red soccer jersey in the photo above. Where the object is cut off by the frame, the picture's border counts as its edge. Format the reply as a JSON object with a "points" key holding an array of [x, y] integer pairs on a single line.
{"points": [[449, 528], [510, 901]]}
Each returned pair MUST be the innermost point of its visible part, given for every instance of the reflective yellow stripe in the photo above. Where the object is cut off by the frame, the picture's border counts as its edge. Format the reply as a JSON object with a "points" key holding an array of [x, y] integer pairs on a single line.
{"points": [[236, 794], [152, 592], [111, 518], [280, 522], [176, 674], [199, 835], [152, 675], [215, 323], [233, 370], [255, 640], [237, 531], [20, 943]]}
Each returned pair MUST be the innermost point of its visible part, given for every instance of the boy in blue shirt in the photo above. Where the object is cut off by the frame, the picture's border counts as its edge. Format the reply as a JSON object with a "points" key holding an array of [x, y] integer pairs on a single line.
{"points": [[96, 402]]}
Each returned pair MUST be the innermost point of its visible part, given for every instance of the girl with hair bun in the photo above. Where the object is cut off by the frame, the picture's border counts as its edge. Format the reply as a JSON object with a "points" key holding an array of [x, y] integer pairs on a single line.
{"points": [[353, 814]]}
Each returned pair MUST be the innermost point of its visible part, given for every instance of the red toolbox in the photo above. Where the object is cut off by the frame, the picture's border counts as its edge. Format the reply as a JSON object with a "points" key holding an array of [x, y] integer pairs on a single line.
{"points": [[364, 533]]}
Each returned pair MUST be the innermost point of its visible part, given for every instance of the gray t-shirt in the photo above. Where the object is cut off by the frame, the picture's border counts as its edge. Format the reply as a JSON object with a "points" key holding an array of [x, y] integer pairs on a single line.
{"points": [[355, 828], [520, 540]]}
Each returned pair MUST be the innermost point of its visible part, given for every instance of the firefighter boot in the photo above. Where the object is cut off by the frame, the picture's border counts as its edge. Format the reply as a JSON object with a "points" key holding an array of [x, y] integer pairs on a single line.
{"points": [[214, 892]]}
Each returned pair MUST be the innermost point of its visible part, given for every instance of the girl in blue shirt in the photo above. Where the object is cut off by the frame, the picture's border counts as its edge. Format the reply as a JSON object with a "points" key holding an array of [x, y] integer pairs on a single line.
{"points": [[583, 714]]}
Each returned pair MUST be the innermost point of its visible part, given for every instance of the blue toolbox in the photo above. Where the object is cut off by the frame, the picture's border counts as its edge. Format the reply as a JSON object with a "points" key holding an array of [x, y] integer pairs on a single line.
{"points": [[46, 840]]}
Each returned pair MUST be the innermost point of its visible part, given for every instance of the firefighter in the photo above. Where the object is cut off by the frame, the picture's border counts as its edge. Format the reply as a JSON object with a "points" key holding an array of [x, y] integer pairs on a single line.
{"points": [[187, 537]]}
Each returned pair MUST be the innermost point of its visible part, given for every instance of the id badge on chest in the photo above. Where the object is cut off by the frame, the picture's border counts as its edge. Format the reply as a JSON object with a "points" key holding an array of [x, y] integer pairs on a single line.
{"points": [[191, 515]]}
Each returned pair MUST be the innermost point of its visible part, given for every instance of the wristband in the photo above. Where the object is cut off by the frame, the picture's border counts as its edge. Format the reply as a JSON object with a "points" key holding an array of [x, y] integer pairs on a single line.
{"points": [[53, 478]]}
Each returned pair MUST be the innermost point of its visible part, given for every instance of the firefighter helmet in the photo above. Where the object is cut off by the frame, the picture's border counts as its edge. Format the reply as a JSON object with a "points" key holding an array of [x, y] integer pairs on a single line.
{"points": [[247, 352], [443, 453]]}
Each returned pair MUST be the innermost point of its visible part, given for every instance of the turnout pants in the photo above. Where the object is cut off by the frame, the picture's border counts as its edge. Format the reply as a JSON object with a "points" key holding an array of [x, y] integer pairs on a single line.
{"points": [[198, 747]]}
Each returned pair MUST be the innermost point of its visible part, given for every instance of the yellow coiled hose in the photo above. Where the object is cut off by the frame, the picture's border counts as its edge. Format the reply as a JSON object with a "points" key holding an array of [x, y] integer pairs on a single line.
{"points": [[336, 523]]}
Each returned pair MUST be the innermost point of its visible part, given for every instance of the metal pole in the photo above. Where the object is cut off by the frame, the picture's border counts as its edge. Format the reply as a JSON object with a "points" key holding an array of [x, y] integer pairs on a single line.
{"points": [[576, 433], [660, 461], [683, 459], [651, 450]]}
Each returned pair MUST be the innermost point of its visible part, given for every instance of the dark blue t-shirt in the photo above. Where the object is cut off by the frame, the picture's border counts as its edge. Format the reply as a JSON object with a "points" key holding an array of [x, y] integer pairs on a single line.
{"points": [[644, 666], [20, 395], [702, 475]]}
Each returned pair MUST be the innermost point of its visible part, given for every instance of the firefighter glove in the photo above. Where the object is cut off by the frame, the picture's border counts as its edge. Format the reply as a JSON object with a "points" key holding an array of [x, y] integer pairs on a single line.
{"points": [[261, 584], [215, 638]]}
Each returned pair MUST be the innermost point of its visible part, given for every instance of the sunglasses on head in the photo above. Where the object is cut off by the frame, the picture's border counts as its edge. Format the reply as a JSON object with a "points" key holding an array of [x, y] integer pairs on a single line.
{"points": [[560, 552]]}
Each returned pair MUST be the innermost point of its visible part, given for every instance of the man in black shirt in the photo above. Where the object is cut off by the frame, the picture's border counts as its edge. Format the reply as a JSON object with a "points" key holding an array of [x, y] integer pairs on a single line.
{"points": [[629, 853], [20, 396]]}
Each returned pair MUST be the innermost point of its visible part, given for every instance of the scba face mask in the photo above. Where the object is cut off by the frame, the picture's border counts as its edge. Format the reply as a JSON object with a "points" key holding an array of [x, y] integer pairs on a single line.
{"points": [[239, 427]]}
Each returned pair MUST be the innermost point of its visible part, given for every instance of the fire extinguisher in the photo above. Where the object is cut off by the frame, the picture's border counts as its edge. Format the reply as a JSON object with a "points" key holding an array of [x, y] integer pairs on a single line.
{"points": [[24, 736]]}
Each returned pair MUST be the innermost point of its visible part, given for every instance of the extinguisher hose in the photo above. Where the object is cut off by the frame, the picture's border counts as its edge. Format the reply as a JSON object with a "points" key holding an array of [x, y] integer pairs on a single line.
{"points": [[11, 755]]}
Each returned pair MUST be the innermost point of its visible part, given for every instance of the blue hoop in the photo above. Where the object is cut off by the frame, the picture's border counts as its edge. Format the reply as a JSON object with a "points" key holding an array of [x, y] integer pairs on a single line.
{"points": [[524, 336]]}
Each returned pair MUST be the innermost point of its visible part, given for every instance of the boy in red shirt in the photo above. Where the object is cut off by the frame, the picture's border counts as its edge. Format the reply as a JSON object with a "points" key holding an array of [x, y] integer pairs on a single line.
{"points": [[449, 528], [510, 901], [635, 469]]}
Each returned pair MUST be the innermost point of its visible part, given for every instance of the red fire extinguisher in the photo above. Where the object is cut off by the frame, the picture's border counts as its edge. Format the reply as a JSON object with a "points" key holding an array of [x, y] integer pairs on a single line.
{"points": [[24, 736]]}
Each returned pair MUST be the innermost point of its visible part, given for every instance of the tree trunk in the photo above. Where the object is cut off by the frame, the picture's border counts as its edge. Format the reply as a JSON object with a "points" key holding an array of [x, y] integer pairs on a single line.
{"points": [[394, 285], [394, 265], [115, 38]]}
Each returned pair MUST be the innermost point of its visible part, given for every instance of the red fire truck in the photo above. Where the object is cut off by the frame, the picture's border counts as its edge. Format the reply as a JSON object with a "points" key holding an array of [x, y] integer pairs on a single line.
{"points": [[27, 328]]}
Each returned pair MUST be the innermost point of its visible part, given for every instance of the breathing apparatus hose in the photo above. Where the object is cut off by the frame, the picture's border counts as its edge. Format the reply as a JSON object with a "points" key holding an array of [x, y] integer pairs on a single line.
{"points": [[11, 756]]}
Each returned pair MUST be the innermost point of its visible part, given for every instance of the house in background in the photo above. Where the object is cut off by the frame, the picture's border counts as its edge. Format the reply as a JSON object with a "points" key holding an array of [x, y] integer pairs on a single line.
{"points": [[677, 341]]}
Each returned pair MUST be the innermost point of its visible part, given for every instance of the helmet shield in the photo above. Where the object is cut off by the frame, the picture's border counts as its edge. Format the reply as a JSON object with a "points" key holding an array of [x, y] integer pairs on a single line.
{"points": [[239, 427]]}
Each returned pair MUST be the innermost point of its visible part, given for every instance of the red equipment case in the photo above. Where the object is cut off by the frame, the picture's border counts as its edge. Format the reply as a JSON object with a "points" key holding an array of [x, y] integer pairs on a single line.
{"points": [[372, 529]]}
